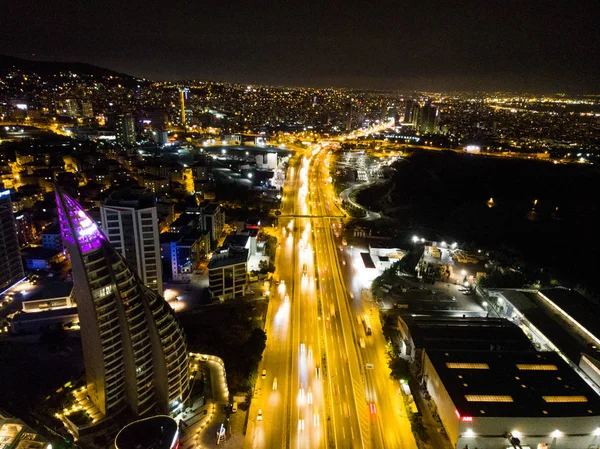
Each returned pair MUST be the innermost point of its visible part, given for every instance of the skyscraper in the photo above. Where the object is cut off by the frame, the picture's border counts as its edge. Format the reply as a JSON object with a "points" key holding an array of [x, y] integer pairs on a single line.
{"points": [[183, 95], [411, 111], [134, 349], [130, 222], [11, 265], [428, 118], [125, 129]]}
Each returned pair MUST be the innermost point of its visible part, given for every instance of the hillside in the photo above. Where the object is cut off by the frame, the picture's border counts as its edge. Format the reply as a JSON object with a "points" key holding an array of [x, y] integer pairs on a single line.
{"points": [[51, 68]]}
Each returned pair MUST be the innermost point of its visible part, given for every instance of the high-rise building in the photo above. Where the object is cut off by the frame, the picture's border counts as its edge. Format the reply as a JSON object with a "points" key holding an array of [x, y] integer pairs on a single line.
{"points": [[428, 118], [87, 109], [11, 265], [130, 222], [125, 129], [411, 112], [134, 349], [72, 107], [183, 95]]}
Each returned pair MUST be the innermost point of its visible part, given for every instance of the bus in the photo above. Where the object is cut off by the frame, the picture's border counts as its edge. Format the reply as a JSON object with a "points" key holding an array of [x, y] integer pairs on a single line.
{"points": [[367, 324]]}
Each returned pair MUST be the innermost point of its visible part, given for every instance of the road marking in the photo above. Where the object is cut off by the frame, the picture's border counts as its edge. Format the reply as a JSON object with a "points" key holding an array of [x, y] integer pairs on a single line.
{"points": [[352, 431], [344, 432]]}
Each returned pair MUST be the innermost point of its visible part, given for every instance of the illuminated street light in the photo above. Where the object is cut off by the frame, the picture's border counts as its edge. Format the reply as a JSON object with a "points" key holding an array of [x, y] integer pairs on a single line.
{"points": [[556, 434], [415, 239]]}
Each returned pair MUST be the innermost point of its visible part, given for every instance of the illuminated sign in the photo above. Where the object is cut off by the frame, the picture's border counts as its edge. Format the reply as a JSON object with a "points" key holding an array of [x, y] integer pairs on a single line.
{"points": [[463, 418], [4, 193]]}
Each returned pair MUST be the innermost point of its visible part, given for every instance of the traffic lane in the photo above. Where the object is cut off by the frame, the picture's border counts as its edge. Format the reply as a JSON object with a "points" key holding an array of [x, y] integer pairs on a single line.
{"points": [[310, 390], [342, 380]]}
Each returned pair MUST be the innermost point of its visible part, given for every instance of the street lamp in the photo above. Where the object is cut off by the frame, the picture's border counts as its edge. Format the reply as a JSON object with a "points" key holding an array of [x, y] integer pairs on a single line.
{"points": [[415, 239]]}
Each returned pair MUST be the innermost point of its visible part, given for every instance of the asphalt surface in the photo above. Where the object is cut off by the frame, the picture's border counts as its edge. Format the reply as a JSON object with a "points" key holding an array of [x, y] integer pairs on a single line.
{"points": [[321, 388]]}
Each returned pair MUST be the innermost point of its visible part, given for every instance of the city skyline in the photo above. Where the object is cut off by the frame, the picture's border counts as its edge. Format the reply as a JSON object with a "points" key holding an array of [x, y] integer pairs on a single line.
{"points": [[516, 46]]}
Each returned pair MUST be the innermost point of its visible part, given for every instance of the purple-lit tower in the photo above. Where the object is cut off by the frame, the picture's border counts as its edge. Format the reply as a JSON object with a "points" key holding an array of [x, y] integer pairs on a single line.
{"points": [[134, 349]]}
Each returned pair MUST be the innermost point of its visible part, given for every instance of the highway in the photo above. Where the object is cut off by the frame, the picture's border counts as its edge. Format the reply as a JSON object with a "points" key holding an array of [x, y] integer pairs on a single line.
{"points": [[321, 388]]}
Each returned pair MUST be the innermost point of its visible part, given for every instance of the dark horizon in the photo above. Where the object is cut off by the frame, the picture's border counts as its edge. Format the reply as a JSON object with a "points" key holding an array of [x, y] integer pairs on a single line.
{"points": [[463, 46]]}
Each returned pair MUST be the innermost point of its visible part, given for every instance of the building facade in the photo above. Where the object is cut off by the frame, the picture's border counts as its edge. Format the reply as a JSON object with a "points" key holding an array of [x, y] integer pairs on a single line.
{"points": [[228, 273], [130, 222], [134, 349], [125, 129], [11, 266]]}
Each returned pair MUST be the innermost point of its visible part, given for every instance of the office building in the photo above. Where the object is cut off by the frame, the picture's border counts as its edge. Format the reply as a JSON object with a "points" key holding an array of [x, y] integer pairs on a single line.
{"points": [[130, 222], [11, 266], [134, 349], [125, 129]]}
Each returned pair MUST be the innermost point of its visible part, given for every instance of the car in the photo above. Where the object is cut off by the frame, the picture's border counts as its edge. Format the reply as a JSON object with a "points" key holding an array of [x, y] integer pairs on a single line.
{"points": [[370, 366], [317, 371], [373, 408], [361, 342], [264, 373], [234, 407], [259, 417], [275, 384]]}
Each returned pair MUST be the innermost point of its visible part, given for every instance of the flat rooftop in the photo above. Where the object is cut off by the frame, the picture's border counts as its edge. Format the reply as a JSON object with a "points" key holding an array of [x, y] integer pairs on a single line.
{"points": [[563, 333], [48, 290], [578, 307], [157, 432], [469, 333], [513, 384], [227, 257]]}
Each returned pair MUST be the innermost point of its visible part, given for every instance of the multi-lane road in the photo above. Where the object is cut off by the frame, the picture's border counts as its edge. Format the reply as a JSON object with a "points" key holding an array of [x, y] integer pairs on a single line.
{"points": [[323, 381]]}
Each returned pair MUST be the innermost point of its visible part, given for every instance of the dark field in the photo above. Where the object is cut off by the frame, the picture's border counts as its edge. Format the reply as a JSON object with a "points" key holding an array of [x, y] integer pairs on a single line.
{"points": [[445, 195]]}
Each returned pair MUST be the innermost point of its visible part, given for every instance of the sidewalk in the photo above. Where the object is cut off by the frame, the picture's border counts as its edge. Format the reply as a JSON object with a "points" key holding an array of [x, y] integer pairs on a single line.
{"points": [[435, 431]]}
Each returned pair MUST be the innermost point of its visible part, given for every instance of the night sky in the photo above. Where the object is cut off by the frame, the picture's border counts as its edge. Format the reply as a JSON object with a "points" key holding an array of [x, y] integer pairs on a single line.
{"points": [[541, 45]]}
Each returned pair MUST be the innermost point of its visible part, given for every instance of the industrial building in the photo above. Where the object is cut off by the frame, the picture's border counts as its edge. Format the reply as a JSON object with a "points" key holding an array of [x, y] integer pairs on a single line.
{"points": [[487, 399]]}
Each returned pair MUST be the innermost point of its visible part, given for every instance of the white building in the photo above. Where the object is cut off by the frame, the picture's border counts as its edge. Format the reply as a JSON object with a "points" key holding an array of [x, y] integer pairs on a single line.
{"points": [[484, 399], [130, 222]]}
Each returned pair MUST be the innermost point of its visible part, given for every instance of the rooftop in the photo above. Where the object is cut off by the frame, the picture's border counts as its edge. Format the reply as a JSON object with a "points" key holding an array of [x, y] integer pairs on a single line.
{"points": [[472, 333], [513, 384], [157, 432], [236, 241], [49, 290], [227, 256], [562, 332]]}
